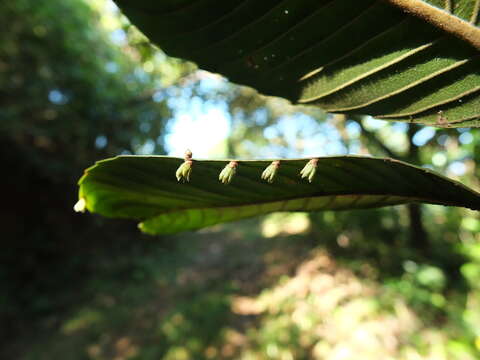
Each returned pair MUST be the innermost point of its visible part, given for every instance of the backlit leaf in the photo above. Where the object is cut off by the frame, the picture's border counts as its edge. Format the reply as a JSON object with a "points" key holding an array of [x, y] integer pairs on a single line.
{"points": [[145, 188], [346, 56]]}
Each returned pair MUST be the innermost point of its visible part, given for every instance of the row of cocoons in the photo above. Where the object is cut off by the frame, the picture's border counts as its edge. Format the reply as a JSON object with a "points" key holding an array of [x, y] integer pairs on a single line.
{"points": [[226, 175]]}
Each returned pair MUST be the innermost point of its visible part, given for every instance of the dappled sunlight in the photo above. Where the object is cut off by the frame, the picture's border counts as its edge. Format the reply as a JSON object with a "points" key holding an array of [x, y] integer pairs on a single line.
{"points": [[285, 224], [324, 311], [124, 348], [233, 297]]}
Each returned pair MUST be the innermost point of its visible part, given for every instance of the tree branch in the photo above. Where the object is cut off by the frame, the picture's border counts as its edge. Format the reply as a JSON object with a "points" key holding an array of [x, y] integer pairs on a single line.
{"points": [[451, 24]]}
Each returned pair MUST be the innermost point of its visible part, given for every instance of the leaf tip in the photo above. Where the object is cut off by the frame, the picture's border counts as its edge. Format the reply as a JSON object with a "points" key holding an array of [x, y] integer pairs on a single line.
{"points": [[80, 205], [185, 169]]}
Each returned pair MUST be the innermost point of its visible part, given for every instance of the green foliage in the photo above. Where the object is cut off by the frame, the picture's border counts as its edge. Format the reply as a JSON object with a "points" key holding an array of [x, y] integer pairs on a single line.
{"points": [[348, 56], [81, 287], [381, 68], [83, 98], [68, 97]]}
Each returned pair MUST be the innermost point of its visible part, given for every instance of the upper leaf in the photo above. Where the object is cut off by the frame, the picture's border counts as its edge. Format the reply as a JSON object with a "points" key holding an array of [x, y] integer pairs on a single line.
{"points": [[146, 188], [348, 56]]}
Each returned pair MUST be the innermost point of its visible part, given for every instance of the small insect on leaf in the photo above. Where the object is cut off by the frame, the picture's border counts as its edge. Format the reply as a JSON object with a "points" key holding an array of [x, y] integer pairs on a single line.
{"points": [[309, 170], [228, 172], [183, 172], [185, 169], [270, 172]]}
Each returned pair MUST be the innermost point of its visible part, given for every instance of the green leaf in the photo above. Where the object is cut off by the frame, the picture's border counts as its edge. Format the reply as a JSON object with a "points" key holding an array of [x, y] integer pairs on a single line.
{"points": [[410, 62], [145, 188]]}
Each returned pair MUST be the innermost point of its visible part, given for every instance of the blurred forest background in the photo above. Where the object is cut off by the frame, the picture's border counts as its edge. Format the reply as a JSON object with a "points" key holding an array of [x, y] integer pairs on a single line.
{"points": [[79, 84]]}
